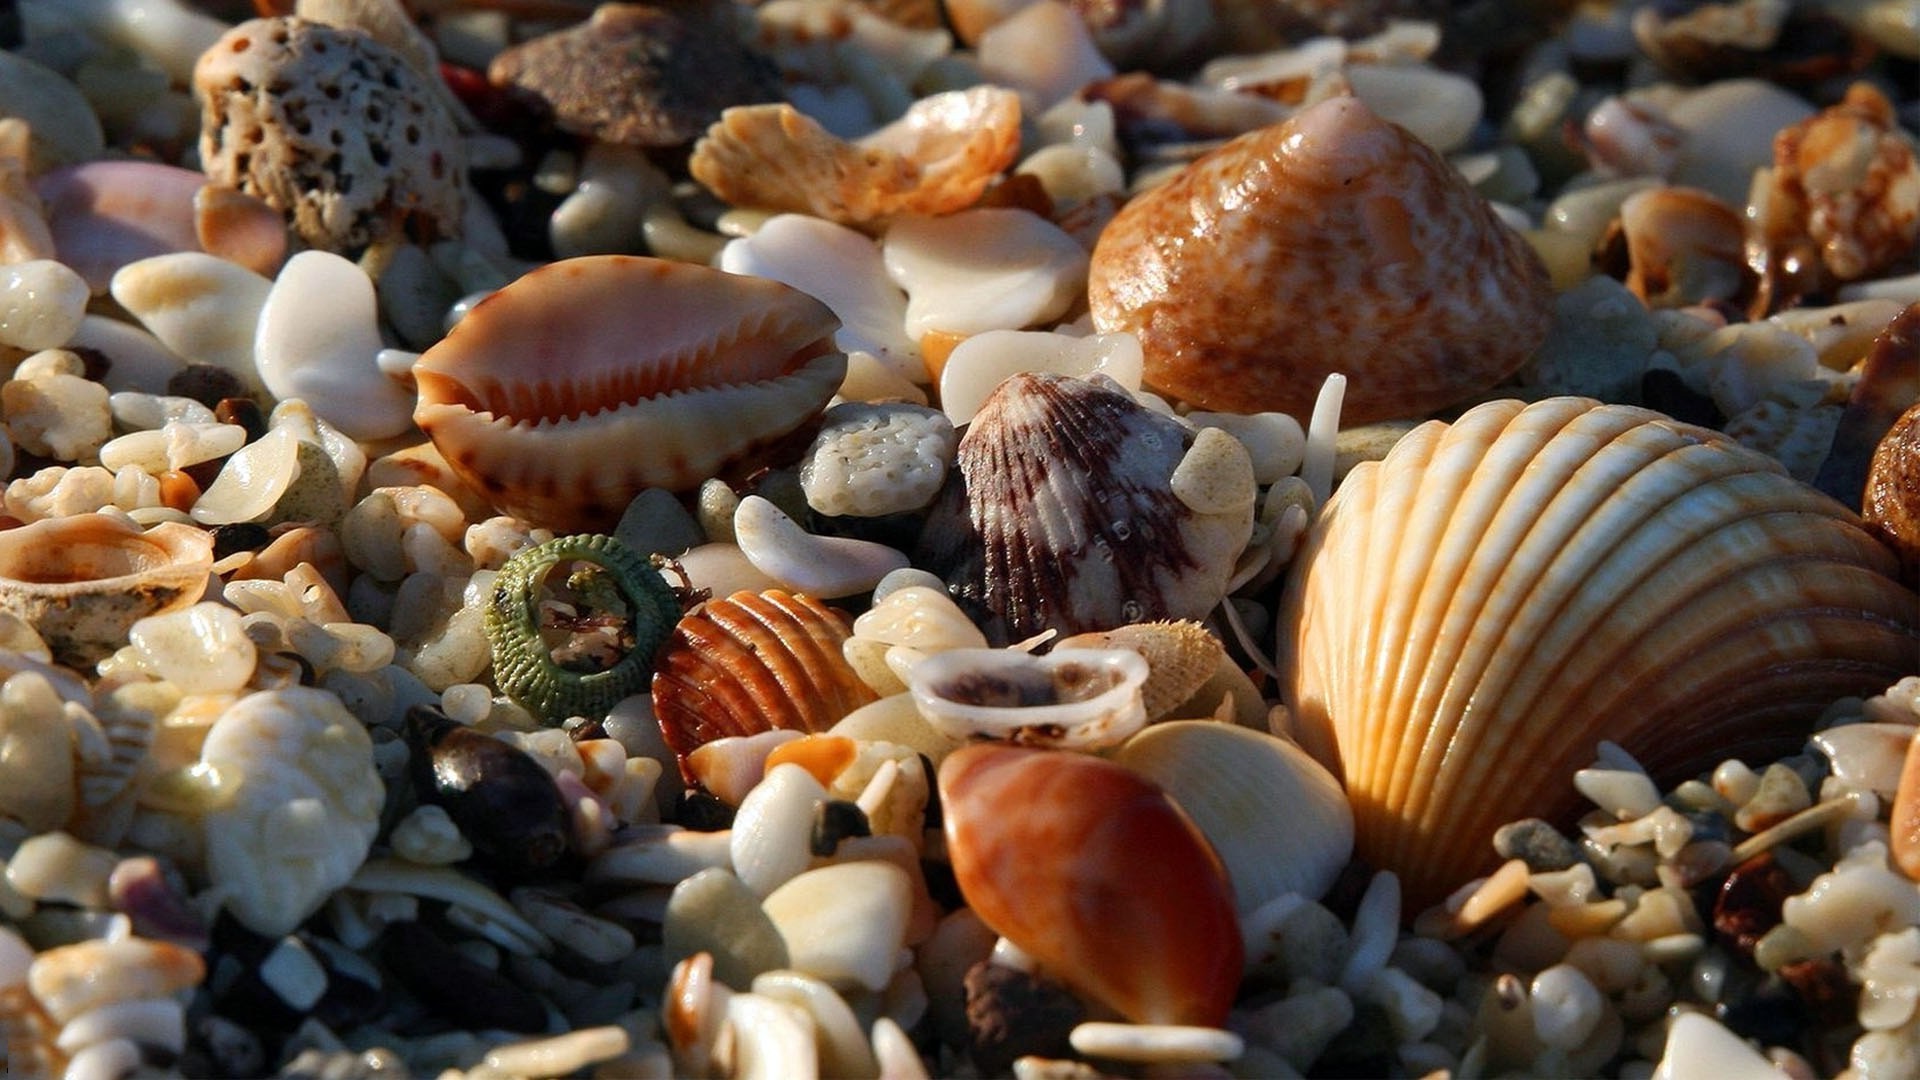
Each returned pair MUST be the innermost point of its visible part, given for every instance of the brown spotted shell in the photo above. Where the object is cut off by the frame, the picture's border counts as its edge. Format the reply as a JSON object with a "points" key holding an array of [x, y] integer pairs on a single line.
{"points": [[1469, 618], [568, 392], [754, 662], [1334, 241]]}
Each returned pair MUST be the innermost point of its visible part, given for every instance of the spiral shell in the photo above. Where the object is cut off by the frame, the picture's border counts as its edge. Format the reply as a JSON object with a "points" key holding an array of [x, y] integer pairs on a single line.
{"points": [[1470, 617], [582, 383], [750, 663], [1334, 241]]}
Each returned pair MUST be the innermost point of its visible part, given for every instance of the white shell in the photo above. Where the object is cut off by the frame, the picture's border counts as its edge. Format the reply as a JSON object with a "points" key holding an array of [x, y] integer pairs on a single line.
{"points": [[1070, 698]]}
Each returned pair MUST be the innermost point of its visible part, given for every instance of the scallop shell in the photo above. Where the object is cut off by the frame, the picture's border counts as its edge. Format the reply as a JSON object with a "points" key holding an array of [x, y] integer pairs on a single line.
{"points": [[1073, 508], [584, 382], [935, 159], [1472, 615], [1092, 870], [83, 581], [750, 663], [1334, 241]]}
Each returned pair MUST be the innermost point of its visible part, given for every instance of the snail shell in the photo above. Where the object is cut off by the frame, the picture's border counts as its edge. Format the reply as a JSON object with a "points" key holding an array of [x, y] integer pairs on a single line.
{"points": [[1471, 616]]}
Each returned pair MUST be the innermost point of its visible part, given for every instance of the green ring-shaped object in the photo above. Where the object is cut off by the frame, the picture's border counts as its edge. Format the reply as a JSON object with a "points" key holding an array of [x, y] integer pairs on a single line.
{"points": [[523, 668]]}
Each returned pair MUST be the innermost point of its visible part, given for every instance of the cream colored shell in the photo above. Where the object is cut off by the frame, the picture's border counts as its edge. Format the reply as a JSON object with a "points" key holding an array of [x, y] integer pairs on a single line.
{"points": [[83, 581], [1470, 617]]}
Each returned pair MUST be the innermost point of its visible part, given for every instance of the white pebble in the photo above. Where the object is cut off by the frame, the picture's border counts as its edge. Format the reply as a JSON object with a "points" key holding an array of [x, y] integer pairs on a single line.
{"points": [[1623, 793], [429, 837], [842, 269], [1858, 899], [991, 268], [822, 566], [1412, 1009], [1566, 1006], [1155, 1043], [1044, 51], [772, 831], [318, 336], [41, 304], [1700, 1046], [56, 868], [985, 360], [203, 307], [844, 923], [560, 1055], [156, 1022], [294, 974], [1376, 926], [202, 649]]}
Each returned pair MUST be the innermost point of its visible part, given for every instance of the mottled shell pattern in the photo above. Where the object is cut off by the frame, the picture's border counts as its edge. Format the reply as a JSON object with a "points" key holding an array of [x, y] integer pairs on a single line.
{"points": [[568, 392], [1073, 508], [1332, 242], [83, 581], [1476, 612], [753, 662], [935, 159]]}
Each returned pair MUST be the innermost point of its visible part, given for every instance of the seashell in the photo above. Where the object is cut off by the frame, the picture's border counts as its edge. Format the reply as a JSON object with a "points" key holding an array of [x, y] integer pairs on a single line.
{"points": [[750, 663], [937, 158], [1395, 271], [1077, 509], [106, 214], [1069, 699], [639, 74], [1275, 816], [83, 581], [1892, 502], [1842, 201], [1092, 870], [1182, 655], [537, 397], [1684, 247], [1573, 572]]}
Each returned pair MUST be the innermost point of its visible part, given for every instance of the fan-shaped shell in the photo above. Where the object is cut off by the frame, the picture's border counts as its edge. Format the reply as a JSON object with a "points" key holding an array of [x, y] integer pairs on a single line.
{"points": [[1077, 509], [1334, 241], [750, 663], [83, 581], [568, 392], [1471, 616]]}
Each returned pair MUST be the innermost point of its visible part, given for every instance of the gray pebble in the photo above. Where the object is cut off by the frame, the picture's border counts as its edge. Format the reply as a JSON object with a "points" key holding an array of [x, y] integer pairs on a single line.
{"points": [[1542, 847]]}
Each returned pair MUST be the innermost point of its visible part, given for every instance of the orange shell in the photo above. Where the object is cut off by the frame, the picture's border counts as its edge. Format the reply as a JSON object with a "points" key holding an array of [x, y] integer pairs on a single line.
{"points": [[1095, 872], [1469, 618], [1334, 241], [568, 392], [751, 663]]}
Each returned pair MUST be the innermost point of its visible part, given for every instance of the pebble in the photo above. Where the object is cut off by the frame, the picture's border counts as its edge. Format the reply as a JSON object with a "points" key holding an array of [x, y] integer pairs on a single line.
{"points": [[41, 304], [561, 1055], [981, 362], [983, 269], [202, 649], [844, 923], [107, 214], [1376, 924], [843, 1050], [843, 269], [1698, 1045], [714, 912], [1537, 843], [1170, 1044], [54, 867], [457, 987], [323, 352], [65, 129], [826, 567], [204, 308], [1044, 51]]}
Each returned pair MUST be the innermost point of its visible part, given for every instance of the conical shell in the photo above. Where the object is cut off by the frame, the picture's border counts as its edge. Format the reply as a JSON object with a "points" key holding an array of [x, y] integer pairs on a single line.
{"points": [[751, 663], [1471, 616], [1334, 241], [1073, 508], [1091, 869]]}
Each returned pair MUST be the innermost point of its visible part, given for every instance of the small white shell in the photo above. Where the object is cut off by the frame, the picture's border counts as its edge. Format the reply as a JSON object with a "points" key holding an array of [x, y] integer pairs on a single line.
{"points": [[1070, 698]]}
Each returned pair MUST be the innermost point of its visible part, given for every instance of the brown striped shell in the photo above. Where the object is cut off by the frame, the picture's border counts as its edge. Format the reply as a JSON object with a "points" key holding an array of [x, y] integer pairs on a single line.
{"points": [[1334, 241], [1470, 617], [753, 662], [588, 380]]}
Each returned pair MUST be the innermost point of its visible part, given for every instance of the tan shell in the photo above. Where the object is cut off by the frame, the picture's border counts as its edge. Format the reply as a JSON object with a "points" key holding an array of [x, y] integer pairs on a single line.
{"points": [[584, 382], [936, 159], [1684, 247], [83, 581], [1181, 656], [1334, 241], [1892, 504], [1471, 616], [753, 662]]}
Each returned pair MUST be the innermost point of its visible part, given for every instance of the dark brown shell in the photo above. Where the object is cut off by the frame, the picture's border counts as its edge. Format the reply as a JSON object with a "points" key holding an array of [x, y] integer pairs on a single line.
{"points": [[1892, 504]]}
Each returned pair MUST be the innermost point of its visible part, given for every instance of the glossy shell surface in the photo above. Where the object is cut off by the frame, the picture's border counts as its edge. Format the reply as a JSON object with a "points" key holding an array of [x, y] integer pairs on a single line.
{"points": [[1332, 242], [1470, 617], [582, 383], [83, 581], [753, 662]]}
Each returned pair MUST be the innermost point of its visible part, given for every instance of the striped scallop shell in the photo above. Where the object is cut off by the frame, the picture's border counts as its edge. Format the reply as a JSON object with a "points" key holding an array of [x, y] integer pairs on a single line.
{"points": [[753, 662], [582, 383], [1470, 617]]}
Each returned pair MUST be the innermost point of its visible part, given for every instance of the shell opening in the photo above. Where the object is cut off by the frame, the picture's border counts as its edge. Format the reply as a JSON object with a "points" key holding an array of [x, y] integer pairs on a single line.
{"points": [[85, 562], [1070, 698]]}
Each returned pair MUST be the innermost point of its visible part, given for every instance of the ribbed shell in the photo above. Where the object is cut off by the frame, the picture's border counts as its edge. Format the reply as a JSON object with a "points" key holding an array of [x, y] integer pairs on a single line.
{"points": [[753, 662], [1060, 515], [1470, 617], [1334, 241]]}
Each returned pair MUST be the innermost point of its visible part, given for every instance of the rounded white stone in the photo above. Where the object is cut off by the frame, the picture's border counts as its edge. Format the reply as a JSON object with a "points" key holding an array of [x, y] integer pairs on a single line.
{"points": [[991, 268], [41, 304], [204, 308], [845, 923], [318, 340], [822, 566]]}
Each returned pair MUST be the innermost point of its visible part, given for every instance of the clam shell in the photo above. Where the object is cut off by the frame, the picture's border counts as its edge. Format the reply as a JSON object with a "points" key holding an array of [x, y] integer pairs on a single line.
{"points": [[1471, 616], [1334, 241], [1094, 872], [1074, 508], [83, 581], [751, 663], [568, 392]]}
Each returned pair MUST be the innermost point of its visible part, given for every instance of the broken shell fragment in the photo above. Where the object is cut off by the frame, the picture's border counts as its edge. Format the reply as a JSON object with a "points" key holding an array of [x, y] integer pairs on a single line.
{"points": [[1482, 608], [1092, 870], [571, 390], [935, 159], [1069, 699], [83, 581], [1387, 265]]}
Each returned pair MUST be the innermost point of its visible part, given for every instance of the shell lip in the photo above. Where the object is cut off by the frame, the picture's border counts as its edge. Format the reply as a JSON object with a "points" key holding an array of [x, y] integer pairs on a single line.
{"points": [[1069, 698]]}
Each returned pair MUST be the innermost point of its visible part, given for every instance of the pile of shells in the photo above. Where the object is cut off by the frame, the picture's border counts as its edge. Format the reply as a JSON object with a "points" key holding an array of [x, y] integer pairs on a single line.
{"points": [[952, 538]]}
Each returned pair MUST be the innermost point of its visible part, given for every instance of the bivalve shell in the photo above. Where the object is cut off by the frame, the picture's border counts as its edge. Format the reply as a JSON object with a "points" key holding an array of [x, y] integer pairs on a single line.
{"points": [[1091, 869], [568, 392], [83, 581], [1471, 616], [1076, 509], [751, 663], [1332, 242]]}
